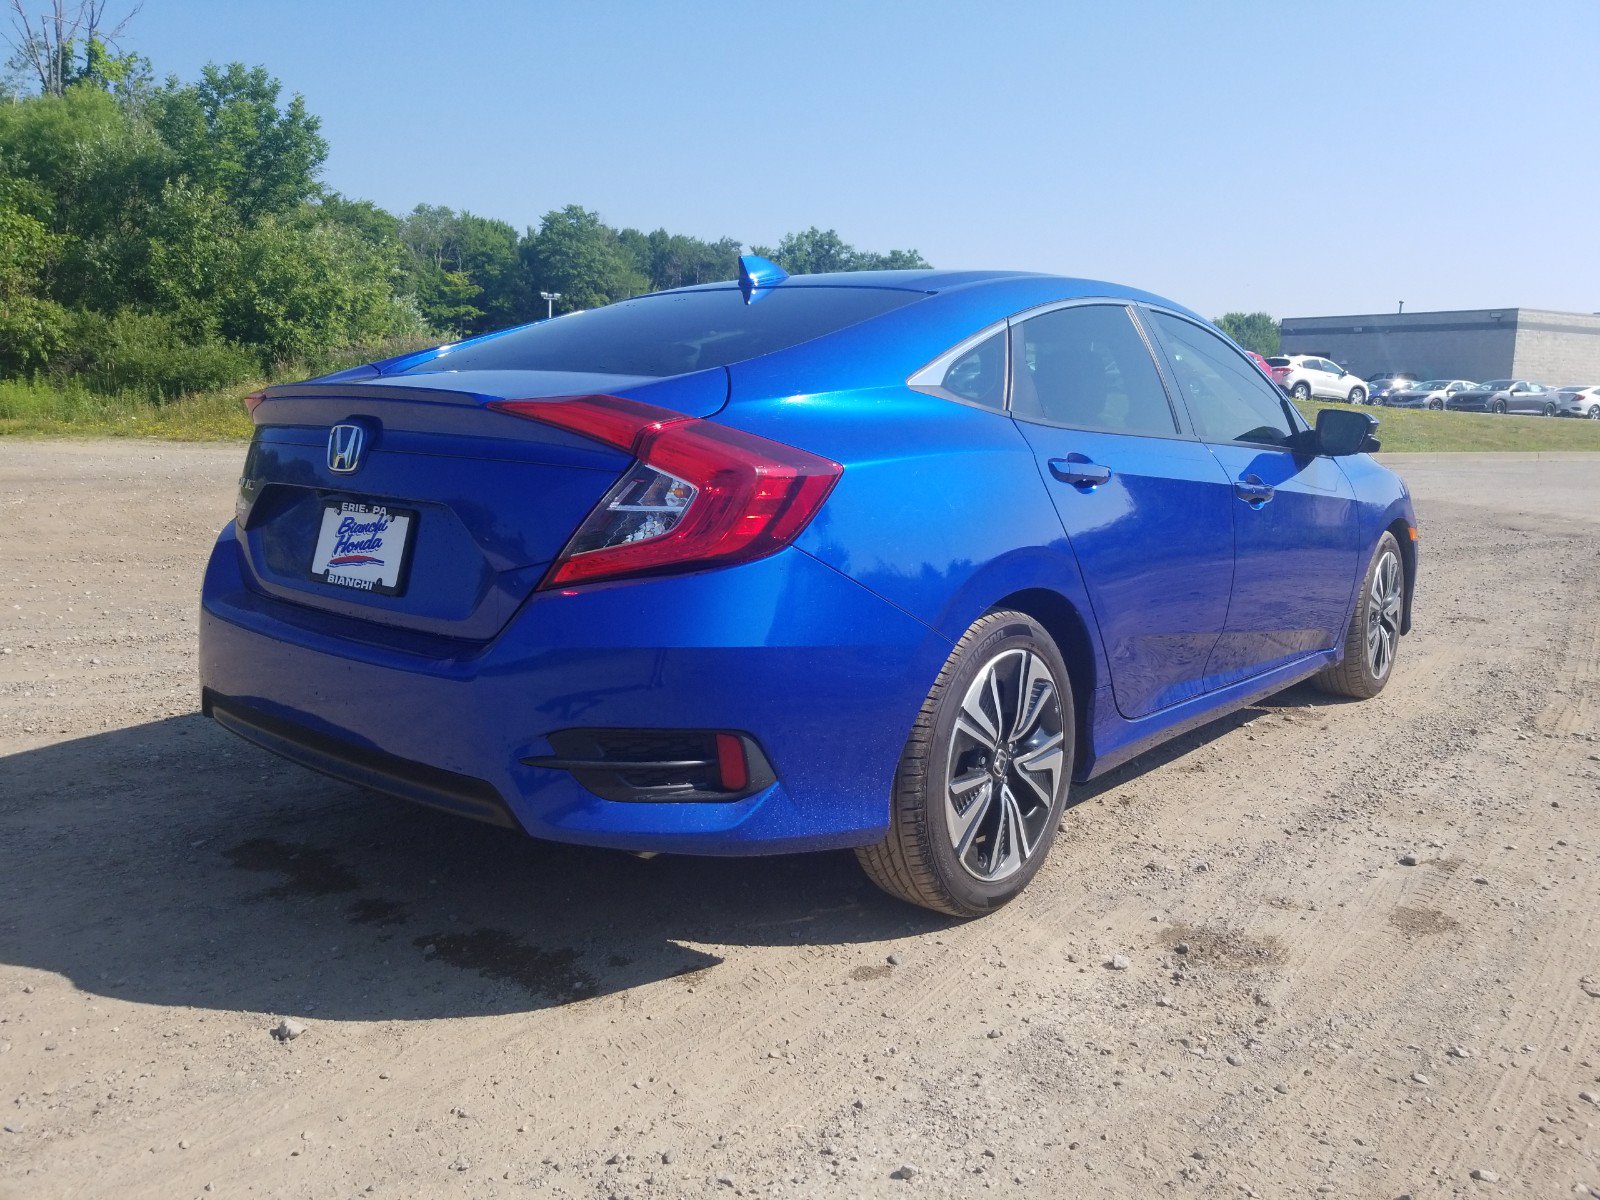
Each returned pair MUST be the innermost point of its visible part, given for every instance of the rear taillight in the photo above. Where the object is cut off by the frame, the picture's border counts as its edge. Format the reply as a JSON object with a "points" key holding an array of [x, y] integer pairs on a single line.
{"points": [[699, 494], [252, 401]]}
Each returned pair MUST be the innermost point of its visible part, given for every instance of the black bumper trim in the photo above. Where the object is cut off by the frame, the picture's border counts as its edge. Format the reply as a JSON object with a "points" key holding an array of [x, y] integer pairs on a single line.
{"points": [[388, 773]]}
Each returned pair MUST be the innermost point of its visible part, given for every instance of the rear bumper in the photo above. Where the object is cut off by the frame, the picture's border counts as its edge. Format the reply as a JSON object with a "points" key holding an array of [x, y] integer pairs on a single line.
{"points": [[825, 675]]}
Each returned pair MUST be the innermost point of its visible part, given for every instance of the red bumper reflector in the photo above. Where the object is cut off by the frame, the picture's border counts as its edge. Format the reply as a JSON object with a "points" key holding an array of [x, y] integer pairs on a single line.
{"points": [[732, 769]]}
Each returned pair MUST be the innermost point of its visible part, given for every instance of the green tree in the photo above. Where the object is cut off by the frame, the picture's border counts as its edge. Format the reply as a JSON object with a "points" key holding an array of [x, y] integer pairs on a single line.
{"points": [[445, 294], [46, 46], [488, 256], [228, 132], [811, 252], [1256, 331], [103, 171], [671, 260], [894, 260], [32, 329], [579, 256], [815, 251]]}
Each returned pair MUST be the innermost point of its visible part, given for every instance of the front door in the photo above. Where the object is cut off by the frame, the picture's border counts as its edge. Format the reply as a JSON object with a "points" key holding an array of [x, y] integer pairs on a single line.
{"points": [[1296, 533], [1147, 510]]}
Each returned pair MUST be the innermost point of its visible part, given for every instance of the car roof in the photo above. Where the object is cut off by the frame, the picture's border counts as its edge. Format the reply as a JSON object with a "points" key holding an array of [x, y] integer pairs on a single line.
{"points": [[1009, 291]]}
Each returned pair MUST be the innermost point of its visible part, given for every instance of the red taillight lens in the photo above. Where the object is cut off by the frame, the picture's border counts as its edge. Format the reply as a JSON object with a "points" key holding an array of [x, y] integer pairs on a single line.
{"points": [[252, 402], [700, 495]]}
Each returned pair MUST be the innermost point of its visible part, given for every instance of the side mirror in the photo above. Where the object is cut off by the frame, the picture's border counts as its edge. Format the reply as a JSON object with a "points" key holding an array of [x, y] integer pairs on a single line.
{"points": [[1342, 431]]}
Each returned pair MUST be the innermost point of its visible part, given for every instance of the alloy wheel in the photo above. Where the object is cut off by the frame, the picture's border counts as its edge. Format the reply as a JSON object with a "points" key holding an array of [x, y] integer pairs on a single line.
{"points": [[1383, 615], [1594, 413], [1006, 766]]}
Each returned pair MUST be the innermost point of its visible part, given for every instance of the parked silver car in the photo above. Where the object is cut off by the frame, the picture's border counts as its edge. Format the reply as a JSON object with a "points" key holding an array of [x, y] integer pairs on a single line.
{"points": [[1432, 394], [1579, 400], [1505, 396], [1379, 387], [1305, 375]]}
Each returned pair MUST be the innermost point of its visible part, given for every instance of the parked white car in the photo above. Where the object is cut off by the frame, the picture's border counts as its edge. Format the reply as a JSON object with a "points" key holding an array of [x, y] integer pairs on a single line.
{"points": [[1305, 375], [1431, 394], [1579, 400]]}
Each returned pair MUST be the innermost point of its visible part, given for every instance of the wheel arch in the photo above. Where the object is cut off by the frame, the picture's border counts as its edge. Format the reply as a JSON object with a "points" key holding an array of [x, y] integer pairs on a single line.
{"points": [[1401, 528], [1069, 629]]}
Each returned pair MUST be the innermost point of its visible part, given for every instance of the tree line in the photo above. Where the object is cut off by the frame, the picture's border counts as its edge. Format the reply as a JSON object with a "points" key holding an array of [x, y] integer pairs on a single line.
{"points": [[161, 238]]}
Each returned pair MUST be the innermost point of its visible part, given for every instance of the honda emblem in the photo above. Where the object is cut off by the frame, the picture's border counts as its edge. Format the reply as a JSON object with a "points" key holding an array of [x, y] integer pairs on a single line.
{"points": [[344, 448]]}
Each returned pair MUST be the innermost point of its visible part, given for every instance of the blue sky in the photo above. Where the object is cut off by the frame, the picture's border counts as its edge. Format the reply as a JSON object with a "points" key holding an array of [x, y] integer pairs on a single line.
{"points": [[1297, 158]]}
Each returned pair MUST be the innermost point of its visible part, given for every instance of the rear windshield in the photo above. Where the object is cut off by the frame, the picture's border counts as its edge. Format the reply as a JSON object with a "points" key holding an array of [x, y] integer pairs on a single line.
{"points": [[1277, 362], [673, 333]]}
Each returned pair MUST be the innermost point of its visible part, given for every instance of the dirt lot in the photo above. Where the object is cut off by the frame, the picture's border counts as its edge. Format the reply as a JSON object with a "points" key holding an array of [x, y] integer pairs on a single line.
{"points": [[487, 1016]]}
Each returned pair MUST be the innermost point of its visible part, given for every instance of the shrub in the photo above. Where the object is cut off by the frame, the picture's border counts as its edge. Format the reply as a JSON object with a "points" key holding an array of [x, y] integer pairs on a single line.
{"points": [[146, 355]]}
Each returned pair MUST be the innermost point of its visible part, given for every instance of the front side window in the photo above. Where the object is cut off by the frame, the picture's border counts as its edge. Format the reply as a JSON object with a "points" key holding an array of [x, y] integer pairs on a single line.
{"points": [[1087, 367], [1228, 400]]}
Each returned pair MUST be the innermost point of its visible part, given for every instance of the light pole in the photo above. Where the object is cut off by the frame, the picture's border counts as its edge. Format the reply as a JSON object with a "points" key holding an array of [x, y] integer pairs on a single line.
{"points": [[549, 299]]}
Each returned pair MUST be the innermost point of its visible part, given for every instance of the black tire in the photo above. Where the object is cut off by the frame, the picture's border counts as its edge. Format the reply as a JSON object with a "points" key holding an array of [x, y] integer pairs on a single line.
{"points": [[1436, 405], [1594, 412], [1500, 407], [1549, 409], [918, 860], [1358, 396], [1355, 674], [1301, 391]]}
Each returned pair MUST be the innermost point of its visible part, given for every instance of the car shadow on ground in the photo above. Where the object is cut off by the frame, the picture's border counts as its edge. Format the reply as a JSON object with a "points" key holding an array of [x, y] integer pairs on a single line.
{"points": [[171, 863]]}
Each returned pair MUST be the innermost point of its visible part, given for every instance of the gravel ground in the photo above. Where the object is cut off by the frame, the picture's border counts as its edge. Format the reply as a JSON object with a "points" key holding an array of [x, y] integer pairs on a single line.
{"points": [[1296, 1013]]}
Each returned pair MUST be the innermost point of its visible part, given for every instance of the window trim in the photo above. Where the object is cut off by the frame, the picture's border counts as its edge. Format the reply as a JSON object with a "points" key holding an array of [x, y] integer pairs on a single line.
{"points": [[929, 379], [1301, 426]]}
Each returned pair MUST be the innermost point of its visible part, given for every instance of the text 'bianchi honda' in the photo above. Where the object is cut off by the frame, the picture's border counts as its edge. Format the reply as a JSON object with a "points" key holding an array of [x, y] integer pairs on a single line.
{"points": [[882, 560]]}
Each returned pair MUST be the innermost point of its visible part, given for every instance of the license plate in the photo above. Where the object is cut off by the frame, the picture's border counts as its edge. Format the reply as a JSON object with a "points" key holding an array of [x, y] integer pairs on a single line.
{"points": [[366, 547]]}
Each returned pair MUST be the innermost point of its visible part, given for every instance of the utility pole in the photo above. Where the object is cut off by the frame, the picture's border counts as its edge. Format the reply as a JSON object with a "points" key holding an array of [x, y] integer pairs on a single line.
{"points": [[549, 299]]}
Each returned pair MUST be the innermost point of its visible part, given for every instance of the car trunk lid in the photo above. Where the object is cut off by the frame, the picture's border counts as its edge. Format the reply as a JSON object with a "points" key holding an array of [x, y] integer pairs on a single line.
{"points": [[449, 513]]}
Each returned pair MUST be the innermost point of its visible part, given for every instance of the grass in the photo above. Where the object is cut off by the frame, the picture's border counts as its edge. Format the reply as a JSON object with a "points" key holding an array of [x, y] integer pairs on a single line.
{"points": [[68, 409], [1419, 430], [43, 410]]}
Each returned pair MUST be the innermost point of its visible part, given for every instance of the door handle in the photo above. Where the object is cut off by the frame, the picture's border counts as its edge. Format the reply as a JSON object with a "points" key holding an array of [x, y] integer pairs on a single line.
{"points": [[1079, 471], [1254, 491]]}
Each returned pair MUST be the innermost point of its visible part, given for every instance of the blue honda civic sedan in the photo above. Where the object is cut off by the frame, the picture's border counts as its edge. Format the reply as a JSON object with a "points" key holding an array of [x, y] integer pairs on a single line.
{"points": [[884, 561]]}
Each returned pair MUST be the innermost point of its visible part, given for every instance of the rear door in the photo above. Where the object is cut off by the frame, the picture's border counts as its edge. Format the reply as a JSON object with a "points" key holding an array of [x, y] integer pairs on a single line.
{"points": [[1146, 508], [1295, 527], [1328, 380]]}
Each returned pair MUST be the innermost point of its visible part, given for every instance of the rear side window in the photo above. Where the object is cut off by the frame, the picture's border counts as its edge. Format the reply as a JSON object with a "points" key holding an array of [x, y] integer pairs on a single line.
{"points": [[979, 375], [674, 333], [1086, 367], [1228, 400]]}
